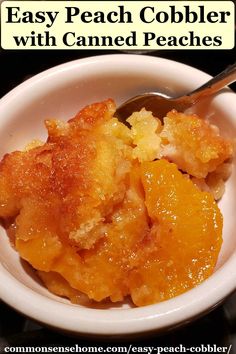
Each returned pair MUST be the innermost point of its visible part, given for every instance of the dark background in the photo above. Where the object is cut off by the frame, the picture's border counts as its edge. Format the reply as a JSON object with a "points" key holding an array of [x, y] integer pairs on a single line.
{"points": [[17, 65], [218, 327]]}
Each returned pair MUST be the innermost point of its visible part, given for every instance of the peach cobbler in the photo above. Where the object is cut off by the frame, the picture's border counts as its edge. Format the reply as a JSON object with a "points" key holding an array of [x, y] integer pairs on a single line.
{"points": [[109, 211]]}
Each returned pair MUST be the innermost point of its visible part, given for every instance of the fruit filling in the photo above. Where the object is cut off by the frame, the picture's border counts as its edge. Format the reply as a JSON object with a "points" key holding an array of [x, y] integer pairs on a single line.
{"points": [[104, 211]]}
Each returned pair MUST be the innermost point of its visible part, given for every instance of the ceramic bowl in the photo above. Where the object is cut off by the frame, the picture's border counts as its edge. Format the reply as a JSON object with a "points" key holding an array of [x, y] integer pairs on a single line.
{"points": [[60, 92]]}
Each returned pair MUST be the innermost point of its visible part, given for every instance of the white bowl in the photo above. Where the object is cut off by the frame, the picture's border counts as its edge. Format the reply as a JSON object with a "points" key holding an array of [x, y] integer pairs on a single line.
{"points": [[60, 92]]}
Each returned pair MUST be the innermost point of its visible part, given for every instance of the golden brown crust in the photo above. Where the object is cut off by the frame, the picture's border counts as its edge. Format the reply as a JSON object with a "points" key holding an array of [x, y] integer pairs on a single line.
{"points": [[87, 212], [194, 145]]}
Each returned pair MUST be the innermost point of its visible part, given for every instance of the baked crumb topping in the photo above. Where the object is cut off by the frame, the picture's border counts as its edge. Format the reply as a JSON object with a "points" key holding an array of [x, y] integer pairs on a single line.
{"points": [[109, 212]]}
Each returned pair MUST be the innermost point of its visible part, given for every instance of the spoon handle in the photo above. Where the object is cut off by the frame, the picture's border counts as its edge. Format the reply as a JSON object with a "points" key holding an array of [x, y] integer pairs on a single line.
{"points": [[215, 84]]}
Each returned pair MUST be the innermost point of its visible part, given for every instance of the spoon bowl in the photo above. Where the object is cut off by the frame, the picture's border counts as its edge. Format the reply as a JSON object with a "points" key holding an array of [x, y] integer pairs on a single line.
{"points": [[160, 104]]}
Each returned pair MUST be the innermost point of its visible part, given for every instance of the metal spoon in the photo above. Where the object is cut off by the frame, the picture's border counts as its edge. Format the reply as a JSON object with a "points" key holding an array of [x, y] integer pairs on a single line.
{"points": [[161, 104]]}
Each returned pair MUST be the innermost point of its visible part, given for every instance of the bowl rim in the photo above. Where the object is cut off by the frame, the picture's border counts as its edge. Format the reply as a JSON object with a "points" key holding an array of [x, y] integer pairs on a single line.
{"points": [[113, 322]]}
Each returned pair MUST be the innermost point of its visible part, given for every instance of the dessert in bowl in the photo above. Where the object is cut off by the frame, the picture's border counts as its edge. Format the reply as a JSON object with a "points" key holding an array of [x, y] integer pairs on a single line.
{"points": [[60, 93]]}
